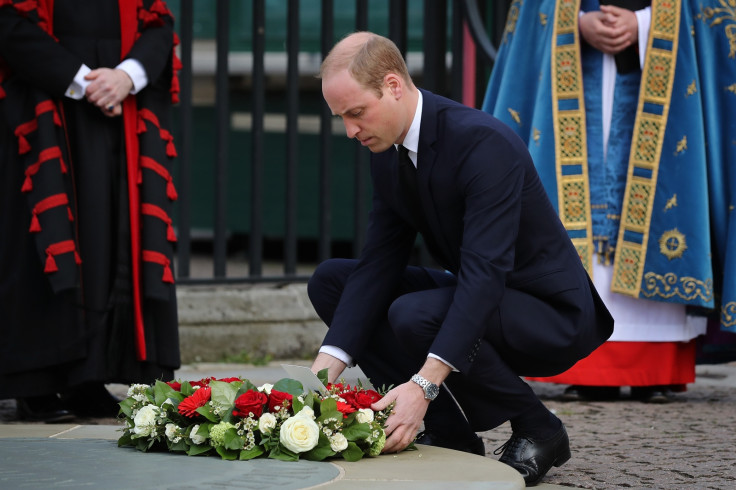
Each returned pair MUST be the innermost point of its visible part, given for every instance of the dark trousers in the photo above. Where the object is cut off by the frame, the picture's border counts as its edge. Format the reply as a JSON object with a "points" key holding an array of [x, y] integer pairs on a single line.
{"points": [[489, 393]]}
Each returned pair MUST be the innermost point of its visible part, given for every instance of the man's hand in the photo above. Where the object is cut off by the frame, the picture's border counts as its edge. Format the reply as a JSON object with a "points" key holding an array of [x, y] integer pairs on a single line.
{"points": [[610, 30], [406, 417], [334, 366], [108, 89]]}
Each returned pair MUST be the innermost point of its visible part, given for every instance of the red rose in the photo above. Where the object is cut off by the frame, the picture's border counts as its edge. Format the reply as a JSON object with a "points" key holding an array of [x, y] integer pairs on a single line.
{"points": [[201, 382], [189, 405], [366, 398], [229, 380], [277, 398], [175, 385], [251, 401], [345, 408]]}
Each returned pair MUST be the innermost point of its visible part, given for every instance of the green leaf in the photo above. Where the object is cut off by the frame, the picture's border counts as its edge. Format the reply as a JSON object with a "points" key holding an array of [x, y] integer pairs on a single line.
{"points": [[250, 453], [352, 453], [320, 452], [290, 386], [323, 376], [196, 449], [228, 454], [332, 414], [162, 391], [127, 407], [125, 440], [328, 405], [356, 432], [233, 440], [224, 393], [180, 446], [207, 412], [283, 454]]}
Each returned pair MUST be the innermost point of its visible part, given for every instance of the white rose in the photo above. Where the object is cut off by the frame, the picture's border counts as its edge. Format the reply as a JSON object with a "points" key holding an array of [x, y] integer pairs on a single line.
{"points": [[299, 434], [266, 423], [145, 420], [196, 438], [338, 442], [364, 416], [265, 388], [306, 412], [171, 431]]}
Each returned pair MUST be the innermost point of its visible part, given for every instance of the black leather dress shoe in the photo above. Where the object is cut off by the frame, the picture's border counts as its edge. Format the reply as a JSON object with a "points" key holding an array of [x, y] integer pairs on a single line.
{"points": [[92, 400], [46, 408], [533, 458], [474, 446], [651, 394], [577, 393]]}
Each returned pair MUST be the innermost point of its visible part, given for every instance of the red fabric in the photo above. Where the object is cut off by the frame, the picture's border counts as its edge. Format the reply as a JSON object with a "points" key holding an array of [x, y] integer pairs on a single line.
{"points": [[150, 163], [632, 364], [155, 211], [161, 259], [45, 155], [56, 249], [46, 204]]}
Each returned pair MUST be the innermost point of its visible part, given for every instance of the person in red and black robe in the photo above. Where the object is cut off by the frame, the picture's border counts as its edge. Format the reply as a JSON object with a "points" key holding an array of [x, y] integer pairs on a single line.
{"points": [[86, 240]]}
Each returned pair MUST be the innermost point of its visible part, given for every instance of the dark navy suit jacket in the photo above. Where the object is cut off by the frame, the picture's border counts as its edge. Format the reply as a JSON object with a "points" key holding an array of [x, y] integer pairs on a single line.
{"points": [[493, 227]]}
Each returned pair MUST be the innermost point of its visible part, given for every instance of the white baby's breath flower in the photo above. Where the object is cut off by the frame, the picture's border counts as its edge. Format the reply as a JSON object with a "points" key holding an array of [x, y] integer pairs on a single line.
{"points": [[299, 434], [136, 389], [364, 416], [338, 442], [145, 420], [196, 438], [265, 388], [266, 423]]}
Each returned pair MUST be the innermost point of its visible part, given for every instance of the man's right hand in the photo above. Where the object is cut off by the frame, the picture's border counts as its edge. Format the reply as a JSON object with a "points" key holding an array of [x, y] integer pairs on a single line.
{"points": [[610, 29], [334, 366]]}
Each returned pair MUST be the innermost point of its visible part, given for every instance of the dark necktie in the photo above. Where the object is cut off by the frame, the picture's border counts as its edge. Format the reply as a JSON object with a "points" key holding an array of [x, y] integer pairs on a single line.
{"points": [[408, 179]]}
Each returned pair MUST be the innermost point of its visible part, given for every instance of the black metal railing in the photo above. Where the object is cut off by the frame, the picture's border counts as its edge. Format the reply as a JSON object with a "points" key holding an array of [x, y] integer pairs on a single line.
{"points": [[435, 76]]}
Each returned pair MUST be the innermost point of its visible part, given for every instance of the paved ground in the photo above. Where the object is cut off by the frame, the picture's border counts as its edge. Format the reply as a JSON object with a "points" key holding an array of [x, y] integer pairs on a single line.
{"points": [[620, 444]]}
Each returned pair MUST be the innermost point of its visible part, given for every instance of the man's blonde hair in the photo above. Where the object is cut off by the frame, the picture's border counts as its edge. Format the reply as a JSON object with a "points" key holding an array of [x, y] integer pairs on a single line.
{"points": [[368, 58]]}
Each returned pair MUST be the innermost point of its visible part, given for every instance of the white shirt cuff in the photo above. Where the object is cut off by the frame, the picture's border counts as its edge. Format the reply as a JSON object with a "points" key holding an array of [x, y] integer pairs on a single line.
{"points": [[337, 353], [78, 86], [136, 72], [435, 356], [644, 19]]}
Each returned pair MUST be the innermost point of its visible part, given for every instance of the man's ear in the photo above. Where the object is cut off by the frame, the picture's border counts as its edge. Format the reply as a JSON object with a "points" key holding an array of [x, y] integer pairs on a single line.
{"points": [[394, 84]]}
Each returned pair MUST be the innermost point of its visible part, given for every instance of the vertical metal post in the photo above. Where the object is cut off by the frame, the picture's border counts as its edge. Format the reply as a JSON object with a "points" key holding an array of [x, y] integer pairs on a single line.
{"points": [[435, 22], [397, 24], [325, 202], [456, 85], [292, 137], [222, 130], [184, 235], [361, 154], [257, 135]]}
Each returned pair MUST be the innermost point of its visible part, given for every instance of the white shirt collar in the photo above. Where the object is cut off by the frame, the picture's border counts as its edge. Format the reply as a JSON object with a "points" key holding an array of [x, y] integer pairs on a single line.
{"points": [[411, 140]]}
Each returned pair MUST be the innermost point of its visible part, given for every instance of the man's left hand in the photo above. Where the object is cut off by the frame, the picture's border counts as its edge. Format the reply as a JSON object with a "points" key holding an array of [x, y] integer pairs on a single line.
{"points": [[109, 88], [406, 417]]}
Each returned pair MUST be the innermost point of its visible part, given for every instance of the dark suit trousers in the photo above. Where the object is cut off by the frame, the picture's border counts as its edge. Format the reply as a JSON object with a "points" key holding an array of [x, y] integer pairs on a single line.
{"points": [[490, 393]]}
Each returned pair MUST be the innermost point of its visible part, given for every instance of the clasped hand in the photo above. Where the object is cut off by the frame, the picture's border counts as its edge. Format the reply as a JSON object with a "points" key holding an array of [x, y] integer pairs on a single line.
{"points": [[610, 29], [108, 89], [406, 416]]}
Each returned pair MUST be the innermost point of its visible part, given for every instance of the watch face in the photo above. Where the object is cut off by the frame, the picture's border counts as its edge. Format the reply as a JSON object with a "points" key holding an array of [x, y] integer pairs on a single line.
{"points": [[431, 391]]}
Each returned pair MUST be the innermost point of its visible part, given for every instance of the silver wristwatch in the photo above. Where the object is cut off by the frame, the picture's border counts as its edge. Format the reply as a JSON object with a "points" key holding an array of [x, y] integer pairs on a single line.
{"points": [[431, 390]]}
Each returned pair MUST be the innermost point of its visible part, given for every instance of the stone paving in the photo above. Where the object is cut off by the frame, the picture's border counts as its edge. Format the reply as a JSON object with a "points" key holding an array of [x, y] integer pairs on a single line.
{"points": [[688, 443]]}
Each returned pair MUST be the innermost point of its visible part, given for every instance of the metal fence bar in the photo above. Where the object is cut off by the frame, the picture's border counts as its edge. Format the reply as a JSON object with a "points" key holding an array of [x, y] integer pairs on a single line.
{"points": [[184, 162], [292, 137], [361, 155], [257, 135], [223, 130], [435, 46], [397, 24], [325, 172]]}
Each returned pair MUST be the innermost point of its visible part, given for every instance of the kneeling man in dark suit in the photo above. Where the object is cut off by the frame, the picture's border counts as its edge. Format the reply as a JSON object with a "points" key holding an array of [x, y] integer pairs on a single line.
{"points": [[512, 298]]}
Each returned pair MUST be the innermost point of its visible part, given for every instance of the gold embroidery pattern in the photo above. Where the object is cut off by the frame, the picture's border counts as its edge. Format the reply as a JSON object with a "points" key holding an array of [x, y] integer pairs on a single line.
{"points": [[669, 285], [515, 116], [568, 107], [691, 89], [671, 203], [646, 148], [511, 19], [672, 244], [681, 145], [726, 12], [728, 314]]}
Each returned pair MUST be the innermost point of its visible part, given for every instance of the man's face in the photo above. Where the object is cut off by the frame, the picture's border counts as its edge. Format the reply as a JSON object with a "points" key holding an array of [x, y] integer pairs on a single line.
{"points": [[376, 122]]}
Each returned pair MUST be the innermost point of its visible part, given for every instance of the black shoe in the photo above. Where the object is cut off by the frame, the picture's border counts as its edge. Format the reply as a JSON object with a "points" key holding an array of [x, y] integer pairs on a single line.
{"points": [[533, 458], [651, 394], [92, 400], [576, 393], [47, 408], [474, 445]]}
